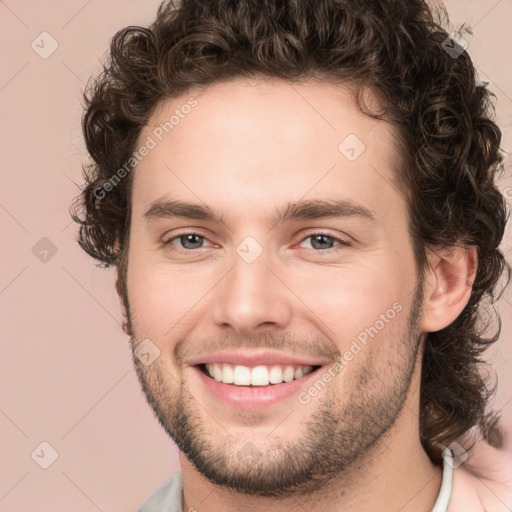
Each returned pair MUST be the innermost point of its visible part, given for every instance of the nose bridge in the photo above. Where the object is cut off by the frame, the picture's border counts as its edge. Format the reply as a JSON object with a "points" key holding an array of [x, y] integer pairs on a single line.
{"points": [[252, 295]]}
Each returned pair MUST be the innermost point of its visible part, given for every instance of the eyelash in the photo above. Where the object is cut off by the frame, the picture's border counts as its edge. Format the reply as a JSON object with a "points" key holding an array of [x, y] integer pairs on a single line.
{"points": [[341, 243]]}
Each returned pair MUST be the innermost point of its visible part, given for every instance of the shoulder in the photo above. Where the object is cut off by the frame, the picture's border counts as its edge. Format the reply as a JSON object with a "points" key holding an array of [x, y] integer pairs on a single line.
{"points": [[483, 482], [167, 497], [475, 493]]}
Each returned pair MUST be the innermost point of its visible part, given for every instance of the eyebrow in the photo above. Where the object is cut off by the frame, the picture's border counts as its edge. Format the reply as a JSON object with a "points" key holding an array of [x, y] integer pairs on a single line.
{"points": [[298, 210]]}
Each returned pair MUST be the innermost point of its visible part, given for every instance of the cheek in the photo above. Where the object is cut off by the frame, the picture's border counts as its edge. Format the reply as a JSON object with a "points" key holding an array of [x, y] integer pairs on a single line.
{"points": [[163, 299], [356, 303], [344, 302]]}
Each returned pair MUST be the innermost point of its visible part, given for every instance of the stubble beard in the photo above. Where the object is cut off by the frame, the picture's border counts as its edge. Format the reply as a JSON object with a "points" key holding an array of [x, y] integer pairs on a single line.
{"points": [[321, 450]]}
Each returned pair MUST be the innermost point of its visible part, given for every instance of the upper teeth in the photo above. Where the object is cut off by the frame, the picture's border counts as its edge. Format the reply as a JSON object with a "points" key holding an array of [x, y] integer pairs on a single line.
{"points": [[257, 375]]}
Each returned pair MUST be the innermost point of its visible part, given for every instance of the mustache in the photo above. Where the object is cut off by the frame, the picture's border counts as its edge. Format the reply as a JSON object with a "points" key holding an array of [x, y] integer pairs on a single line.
{"points": [[316, 347]]}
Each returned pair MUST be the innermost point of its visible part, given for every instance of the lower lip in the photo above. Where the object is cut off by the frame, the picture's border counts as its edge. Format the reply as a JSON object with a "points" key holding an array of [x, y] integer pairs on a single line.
{"points": [[253, 397]]}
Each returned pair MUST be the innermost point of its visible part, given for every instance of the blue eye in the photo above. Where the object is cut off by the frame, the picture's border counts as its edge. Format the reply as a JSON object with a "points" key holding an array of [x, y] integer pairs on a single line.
{"points": [[188, 238], [321, 240]]}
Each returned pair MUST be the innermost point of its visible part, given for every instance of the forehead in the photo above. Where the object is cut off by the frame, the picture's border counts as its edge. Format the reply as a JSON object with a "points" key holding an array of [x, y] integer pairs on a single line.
{"points": [[266, 141]]}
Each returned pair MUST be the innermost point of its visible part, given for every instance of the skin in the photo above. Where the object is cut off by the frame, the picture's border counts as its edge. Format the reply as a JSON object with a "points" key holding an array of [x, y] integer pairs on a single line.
{"points": [[247, 148]]}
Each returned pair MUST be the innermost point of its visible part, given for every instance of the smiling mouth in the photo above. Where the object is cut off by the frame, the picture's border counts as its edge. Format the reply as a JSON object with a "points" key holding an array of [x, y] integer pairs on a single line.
{"points": [[260, 375]]}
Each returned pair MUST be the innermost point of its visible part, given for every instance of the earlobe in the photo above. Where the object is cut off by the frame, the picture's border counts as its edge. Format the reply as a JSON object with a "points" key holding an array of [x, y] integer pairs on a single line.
{"points": [[448, 285]]}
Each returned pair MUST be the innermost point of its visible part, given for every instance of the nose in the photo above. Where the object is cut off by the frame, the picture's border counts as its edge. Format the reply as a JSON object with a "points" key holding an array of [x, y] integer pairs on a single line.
{"points": [[252, 298]]}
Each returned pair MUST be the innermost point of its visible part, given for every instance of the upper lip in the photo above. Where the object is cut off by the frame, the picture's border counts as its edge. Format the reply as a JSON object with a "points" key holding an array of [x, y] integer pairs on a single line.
{"points": [[255, 358]]}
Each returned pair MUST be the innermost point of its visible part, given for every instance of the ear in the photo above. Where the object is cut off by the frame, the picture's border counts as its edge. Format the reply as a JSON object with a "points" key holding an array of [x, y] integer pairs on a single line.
{"points": [[123, 306], [448, 284]]}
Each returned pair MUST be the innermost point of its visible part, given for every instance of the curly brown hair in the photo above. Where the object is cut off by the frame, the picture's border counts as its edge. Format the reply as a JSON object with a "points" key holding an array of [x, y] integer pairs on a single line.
{"points": [[395, 48]]}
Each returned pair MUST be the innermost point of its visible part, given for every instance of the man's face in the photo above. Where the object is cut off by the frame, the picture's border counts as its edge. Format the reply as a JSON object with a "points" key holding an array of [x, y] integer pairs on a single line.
{"points": [[308, 291]]}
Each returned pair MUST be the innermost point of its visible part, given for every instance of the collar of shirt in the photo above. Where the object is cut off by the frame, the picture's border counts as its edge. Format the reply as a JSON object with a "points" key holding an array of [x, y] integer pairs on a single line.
{"points": [[462, 490]]}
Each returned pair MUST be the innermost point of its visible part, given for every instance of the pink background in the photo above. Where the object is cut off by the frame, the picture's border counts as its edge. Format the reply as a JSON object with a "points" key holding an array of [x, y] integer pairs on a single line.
{"points": [[66, 371]]}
